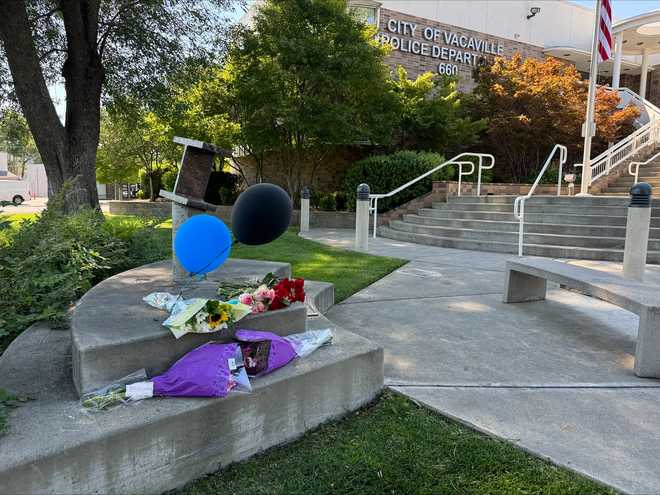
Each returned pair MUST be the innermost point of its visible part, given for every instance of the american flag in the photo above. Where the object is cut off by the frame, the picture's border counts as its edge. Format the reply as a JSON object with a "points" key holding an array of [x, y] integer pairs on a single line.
{"points": [[605, 31]]}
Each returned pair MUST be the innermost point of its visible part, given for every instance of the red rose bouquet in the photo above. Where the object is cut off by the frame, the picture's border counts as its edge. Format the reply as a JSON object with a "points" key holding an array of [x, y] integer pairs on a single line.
{"points": [[288, 291]]}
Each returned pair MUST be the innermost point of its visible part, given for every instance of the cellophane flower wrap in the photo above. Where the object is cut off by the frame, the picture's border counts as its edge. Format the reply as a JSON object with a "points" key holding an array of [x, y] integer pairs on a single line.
{"points": [[210, 370], [197, 315], [264, 352]]}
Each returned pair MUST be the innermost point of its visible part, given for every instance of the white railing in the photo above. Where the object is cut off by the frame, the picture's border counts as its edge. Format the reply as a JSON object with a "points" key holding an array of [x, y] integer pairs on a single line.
{"points": [[651, 109], [616, 155], [459, 160], [519, 203], [636, 165], [483, 167]]}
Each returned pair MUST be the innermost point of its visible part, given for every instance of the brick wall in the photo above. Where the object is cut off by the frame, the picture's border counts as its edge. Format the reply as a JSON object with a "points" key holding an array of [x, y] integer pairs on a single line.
{"points": [[327, 177], [163, 209], [417, 64]]}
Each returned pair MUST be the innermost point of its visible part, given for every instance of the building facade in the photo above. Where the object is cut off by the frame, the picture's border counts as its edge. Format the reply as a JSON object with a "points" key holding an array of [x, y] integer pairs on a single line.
{"points": [[450, 36], [421, 45]]}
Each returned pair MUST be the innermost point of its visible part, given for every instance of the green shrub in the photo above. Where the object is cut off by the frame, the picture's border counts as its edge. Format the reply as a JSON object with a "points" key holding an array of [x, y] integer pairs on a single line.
{"points": [[385, 173], [154, 177], [335, 201], [327, 202], [222, 188], [50, 261], [169, 179], [340, 201], [141, 194]]}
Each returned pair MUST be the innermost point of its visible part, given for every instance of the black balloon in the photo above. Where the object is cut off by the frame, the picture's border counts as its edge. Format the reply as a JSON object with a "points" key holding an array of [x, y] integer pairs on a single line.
{"points": [[261, 214]]}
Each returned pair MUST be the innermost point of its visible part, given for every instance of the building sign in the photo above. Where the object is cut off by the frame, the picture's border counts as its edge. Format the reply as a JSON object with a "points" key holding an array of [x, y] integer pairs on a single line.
{"points": [[446, 46]]}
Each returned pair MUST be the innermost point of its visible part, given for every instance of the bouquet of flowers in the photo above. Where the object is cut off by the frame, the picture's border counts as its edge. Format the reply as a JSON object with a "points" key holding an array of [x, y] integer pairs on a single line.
{"points": [[288, 291], [212, 369], [232, 290], [259, 300], [268, 294], [197, 315]]}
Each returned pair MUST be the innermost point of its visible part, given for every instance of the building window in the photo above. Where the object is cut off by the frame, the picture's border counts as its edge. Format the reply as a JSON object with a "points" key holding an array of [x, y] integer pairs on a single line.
{"points": [[365, 14], [365, 11]]}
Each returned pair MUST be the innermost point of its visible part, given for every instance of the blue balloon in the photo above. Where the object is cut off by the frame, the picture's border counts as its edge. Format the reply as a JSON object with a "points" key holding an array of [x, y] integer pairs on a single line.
{"points": [[202, 244]]}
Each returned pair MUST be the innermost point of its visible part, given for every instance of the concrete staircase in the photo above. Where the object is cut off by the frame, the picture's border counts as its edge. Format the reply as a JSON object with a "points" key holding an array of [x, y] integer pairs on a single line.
{"points": [[561, 227], [647, 173]]}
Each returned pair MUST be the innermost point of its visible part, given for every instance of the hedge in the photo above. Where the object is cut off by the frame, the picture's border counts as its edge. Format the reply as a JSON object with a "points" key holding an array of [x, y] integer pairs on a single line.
{"points": [[384, 173]]}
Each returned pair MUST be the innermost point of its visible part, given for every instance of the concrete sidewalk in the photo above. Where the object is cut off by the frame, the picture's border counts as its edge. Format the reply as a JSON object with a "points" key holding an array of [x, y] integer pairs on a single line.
{"points": [[554, 377]]}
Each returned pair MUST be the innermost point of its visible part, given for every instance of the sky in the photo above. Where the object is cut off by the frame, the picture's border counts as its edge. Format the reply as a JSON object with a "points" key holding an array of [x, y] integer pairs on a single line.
{"points": [[625, 8]]}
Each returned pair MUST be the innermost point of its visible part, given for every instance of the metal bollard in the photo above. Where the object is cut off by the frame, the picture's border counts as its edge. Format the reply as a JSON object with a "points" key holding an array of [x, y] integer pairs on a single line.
{"points": [[362, 218], [304, 210], [637, 231]]}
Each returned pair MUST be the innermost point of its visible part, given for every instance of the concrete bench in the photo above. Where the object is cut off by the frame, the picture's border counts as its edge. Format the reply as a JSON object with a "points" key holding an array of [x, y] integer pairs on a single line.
{"points": [[526, 280]]}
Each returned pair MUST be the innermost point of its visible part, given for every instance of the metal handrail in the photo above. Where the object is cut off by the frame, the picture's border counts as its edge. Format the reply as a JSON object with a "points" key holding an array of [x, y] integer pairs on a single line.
{"points": [[373, 198], [519, 203], [484, 167], [637, 164]]}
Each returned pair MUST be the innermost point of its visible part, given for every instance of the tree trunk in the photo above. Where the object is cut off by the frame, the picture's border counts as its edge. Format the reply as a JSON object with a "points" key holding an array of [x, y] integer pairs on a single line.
{"points": [[152, 196], [68, 151]]}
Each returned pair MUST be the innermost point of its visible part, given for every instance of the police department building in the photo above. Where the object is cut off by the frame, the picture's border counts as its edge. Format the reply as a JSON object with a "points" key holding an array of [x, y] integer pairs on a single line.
{"points": [[451, 36]]}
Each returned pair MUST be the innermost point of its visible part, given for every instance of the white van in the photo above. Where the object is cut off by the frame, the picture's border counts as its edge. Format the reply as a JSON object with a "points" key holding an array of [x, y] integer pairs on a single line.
{"points": [[15, 191]]}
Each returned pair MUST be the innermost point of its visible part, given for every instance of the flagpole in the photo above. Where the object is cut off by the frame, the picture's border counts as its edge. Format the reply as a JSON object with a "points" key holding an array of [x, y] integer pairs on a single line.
{"points": [[589, 127]]}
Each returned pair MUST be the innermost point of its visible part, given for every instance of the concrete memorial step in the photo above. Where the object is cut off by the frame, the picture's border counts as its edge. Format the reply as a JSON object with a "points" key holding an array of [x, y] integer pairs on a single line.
{"points": [[54, 445], [115, 333]]}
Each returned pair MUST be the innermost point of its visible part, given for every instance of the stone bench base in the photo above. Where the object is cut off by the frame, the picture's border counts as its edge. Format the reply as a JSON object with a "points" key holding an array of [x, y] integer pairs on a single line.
{"points": [[527, 278]]}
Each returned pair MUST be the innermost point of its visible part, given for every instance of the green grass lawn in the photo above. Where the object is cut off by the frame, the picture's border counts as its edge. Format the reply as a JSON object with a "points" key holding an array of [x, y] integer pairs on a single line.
{"points": [[349, 271], [394, 447]]}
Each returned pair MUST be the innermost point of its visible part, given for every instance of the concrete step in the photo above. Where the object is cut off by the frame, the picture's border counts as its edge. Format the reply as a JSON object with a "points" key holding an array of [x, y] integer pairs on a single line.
{"points": [[539, 228], [548, 200], [53, 445], [531, 207], [106, 347], [616, 189], [507, 247], [652, 174], [629, 181], [532, 217], [512, 237]]}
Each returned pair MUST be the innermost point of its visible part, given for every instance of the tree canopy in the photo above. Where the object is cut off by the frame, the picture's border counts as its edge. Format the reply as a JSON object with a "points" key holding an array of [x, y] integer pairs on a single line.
{"points": [[532, 104], [96, 48], [430, 114], [16, 139], [305, 77], [134, 142]]}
